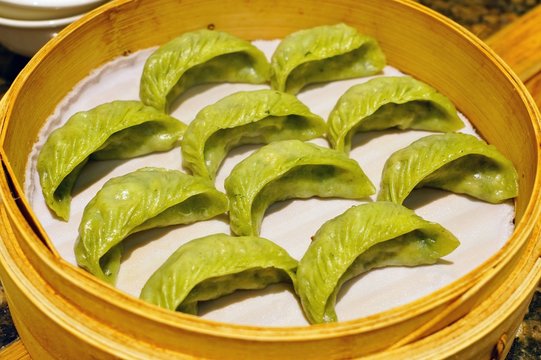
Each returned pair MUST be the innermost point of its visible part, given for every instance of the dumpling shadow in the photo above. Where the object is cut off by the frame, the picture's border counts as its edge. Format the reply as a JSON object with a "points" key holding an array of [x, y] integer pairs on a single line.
{"points": [[424, 196], [427, 195], [314, 86], [143, 238], [244, 149], [349, 82], [93, 171], [201, 89], [346, 287], [280, 205], [362, 138], [206, 307], [241, 151], [189, 93]]}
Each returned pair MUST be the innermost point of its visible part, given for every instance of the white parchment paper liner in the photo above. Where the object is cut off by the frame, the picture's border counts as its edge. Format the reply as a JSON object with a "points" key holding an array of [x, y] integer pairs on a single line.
{"points": [[482, 228]]}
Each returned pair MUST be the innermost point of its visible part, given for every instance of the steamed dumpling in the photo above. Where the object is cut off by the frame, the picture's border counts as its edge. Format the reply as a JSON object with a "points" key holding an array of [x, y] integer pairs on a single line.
{"points": [[323, 54], [364, 237], [224, 264], [390, 102], [289, 169], [141, 200], [115, 130], [200, 57], [456, 162], [246, 117]]}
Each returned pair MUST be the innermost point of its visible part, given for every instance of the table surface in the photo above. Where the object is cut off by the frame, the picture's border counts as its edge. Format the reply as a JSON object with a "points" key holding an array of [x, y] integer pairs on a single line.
{"points": [[483, 18]]}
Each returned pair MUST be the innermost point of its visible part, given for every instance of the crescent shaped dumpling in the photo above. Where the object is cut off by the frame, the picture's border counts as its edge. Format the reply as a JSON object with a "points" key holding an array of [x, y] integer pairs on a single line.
{"points": [[144, 199], [224, 264], [322, 54], [246, 117], [390, 102], [115, 130], [364, 237], [456, 162], [200, 57], [285, 170]]}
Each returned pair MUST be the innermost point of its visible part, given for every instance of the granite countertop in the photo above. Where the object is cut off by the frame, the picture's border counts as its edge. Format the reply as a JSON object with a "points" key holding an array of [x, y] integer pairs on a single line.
{"points": [[483, 18]]}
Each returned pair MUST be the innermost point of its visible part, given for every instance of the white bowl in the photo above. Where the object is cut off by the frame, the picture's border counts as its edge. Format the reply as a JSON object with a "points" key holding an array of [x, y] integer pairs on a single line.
{"points": [[26, 37], [45, 9]]}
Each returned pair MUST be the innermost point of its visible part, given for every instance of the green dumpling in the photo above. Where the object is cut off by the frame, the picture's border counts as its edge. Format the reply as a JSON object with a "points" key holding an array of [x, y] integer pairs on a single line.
{"points": [[364, 237], [115, 130], [246, 117], [390, 102], [200, 57], [323, 54], [285, 170], [144, 199], [456, 162], [224, 264]]}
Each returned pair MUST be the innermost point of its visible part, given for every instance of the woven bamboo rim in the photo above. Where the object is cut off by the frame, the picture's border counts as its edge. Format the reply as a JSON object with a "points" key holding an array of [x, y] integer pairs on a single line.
{"points": [[32, 265]]}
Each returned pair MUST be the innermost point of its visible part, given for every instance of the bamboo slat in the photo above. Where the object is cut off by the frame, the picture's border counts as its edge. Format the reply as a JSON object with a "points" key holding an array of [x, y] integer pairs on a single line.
{"points": [[15, 351], [519, 44]]}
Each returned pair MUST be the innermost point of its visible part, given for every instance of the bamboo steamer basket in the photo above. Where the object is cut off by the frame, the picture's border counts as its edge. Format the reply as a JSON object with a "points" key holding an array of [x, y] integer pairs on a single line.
{"points": [[62, 312]]}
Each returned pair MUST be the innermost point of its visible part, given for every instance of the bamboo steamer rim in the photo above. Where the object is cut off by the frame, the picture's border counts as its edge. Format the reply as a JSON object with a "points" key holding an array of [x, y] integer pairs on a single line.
{"points": [[79, 278]]}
